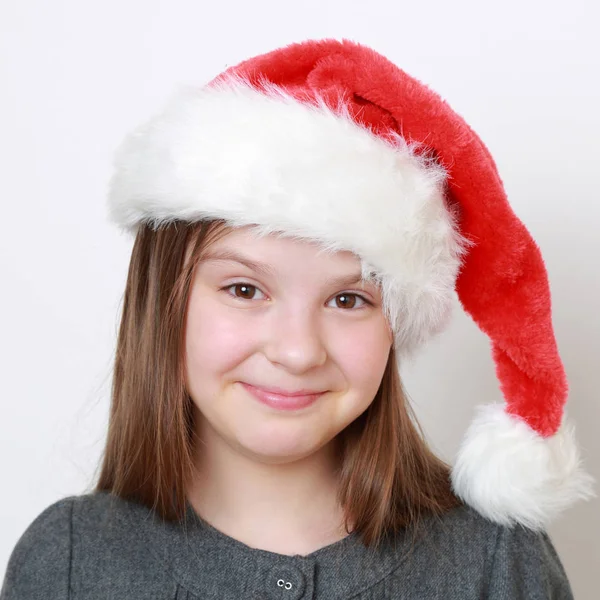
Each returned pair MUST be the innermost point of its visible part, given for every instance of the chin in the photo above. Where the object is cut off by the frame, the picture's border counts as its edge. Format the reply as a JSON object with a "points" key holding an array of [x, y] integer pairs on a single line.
{"points": [[278, 442]]}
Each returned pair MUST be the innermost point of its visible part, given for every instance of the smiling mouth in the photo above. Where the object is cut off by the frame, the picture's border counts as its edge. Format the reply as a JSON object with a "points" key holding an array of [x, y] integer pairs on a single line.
{"points": [[282, 401], [282, 392]]}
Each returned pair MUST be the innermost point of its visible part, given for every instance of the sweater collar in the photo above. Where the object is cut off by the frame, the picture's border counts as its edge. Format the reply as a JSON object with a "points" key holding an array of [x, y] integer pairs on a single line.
{"points": [[209, 563]]}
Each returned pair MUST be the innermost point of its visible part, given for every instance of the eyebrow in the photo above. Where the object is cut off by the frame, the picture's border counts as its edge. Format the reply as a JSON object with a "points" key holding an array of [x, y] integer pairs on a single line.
{"points": [[268, 270]]}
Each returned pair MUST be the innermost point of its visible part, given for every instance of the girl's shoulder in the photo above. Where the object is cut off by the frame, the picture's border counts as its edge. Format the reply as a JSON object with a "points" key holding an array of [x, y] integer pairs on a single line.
{"points": [[464, 528], [490, 559], [41, 562]]}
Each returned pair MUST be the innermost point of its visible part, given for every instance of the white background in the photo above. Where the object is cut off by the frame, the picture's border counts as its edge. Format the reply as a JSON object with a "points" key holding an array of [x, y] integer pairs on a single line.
{"points": [[76, 75]]}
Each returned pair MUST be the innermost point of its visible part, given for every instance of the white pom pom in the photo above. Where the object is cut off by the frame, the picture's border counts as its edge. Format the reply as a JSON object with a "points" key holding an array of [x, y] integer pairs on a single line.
{"points": [[511, 474]]}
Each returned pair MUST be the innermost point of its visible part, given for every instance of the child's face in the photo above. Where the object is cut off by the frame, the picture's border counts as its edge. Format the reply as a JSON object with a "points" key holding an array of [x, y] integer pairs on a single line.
{"points": [[291, 330]]}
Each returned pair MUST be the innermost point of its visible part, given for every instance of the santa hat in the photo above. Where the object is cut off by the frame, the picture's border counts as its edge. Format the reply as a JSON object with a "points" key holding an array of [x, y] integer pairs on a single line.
{"points": [[330, 141]]}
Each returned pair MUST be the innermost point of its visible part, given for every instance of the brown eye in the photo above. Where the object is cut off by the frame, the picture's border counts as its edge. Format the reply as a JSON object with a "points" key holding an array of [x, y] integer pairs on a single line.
{"points": [[348, 300], [246, 290]]}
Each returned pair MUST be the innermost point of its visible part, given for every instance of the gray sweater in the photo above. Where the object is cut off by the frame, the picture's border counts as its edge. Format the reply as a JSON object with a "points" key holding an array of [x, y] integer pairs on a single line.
{"points": [[97, 546]]}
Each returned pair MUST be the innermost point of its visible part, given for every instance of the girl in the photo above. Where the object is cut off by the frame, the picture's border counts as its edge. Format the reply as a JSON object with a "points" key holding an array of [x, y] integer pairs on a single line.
{"points": [[301, 224]]}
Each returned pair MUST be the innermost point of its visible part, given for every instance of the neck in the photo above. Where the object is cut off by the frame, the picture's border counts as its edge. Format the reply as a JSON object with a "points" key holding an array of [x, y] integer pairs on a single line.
{"points": [[288, 508]]}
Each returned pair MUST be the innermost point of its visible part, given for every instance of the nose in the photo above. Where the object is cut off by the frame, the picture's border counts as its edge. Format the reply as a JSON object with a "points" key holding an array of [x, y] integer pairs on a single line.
{"points": [[295, 341]]}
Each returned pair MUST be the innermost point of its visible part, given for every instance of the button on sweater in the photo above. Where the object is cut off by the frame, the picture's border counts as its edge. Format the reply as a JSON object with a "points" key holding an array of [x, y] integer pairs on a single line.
{"points": [[98, 546]]}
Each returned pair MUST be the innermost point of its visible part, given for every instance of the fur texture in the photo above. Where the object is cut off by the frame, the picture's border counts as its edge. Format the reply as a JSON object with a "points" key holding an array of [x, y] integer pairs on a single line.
{"points": [[510, 474], [300, 170]]}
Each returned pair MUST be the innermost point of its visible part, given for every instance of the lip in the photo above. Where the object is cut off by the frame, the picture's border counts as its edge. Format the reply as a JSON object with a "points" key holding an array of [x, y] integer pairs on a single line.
{"points": [[282, 401]]}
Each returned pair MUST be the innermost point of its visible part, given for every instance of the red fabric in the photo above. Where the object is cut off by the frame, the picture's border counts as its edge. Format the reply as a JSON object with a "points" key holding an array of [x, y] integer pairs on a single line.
{"points": [[503, 284]]}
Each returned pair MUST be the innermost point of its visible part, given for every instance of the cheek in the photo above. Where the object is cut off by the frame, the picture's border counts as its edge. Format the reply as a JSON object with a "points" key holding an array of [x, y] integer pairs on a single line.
{"points": [[215, 342], [362, 360]]}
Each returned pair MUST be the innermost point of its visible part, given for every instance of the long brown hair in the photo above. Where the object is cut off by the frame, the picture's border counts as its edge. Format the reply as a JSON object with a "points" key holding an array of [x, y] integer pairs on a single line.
{"points": [[389, 477]]}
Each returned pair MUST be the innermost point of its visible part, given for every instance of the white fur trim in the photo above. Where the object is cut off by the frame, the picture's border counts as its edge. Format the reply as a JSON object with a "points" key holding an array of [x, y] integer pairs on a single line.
{"points": [[510, 474], [265, 158]]}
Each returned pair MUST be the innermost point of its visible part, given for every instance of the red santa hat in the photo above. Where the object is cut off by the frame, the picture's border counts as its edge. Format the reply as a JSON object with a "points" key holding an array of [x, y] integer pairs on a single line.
{"points": [[329, 141]]}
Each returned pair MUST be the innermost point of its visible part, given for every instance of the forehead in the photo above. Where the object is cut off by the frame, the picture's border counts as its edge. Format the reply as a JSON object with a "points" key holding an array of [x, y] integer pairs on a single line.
{"points": [[280, 254], [278, 247]]}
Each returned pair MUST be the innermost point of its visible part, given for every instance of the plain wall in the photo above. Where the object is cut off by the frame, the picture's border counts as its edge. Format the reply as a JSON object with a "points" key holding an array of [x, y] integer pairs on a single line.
{"points": [[76, 76]]}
